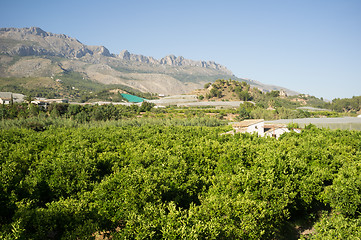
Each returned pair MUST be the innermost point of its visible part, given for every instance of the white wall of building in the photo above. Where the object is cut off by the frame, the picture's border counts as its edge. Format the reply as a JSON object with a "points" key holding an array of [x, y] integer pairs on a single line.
{"points": [[257, 127]]}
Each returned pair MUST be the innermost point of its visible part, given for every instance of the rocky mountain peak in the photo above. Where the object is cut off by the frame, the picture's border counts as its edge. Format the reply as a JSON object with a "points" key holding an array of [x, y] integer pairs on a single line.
{"points": [[37, 31], [124, 54], [34, 41], [181, 61], [45, 43], [169, 75], [172, 60], [99, 50], [31, 30]]}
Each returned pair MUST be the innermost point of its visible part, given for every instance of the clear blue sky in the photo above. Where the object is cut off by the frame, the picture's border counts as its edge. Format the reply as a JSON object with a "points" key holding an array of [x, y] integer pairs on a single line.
{"points": [[310, 46]]}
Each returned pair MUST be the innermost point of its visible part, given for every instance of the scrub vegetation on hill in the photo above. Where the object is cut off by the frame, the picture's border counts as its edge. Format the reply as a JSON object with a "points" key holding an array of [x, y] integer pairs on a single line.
{"points": [[68, 85], [347, 104], [274, 104], [231, 90]]}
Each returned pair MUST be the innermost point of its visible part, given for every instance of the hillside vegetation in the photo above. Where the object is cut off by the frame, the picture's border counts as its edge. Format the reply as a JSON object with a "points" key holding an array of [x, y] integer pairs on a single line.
{"points": [[232, 90], [68, 85], [259, 104], [347, 104]]}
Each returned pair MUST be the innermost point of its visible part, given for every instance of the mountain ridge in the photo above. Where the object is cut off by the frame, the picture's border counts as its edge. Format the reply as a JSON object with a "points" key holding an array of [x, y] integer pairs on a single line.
{"points": [[33, 52], [79, 50]]}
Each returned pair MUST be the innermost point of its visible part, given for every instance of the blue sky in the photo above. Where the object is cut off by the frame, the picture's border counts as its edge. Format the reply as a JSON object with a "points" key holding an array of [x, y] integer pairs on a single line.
{"points": [[310, 46]]}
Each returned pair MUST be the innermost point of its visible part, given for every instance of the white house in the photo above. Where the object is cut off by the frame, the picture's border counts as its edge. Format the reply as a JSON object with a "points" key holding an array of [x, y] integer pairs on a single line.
{"points": [[276, 130], [5, 97], [4, 100], [250, 126], [258, 126]]}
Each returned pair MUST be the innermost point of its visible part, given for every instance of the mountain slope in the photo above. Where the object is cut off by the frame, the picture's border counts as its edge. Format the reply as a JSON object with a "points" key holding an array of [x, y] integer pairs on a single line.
{"points": [[32, 52]]}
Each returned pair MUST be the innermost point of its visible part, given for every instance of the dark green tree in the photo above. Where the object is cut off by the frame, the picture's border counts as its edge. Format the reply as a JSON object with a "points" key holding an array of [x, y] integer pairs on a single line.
{"points": [[146, 106]]}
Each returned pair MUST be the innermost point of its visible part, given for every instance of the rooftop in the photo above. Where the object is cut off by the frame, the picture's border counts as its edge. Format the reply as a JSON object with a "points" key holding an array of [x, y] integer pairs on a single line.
{"points": [[247, 123], [8, 95]]}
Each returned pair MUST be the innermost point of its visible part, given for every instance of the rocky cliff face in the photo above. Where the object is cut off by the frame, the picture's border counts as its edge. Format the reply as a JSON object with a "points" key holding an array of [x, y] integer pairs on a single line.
{"points": [[36, 42], [181, 61], [172, 60], [125, 55]]}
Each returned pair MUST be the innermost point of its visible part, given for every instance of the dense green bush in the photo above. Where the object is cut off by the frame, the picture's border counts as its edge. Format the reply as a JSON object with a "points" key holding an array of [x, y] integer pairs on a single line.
{"points": [[136, 180], [347, 104]]}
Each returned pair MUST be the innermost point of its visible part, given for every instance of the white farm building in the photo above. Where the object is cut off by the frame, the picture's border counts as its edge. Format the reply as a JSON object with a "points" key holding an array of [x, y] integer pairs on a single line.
{"points": [[258, 126]]}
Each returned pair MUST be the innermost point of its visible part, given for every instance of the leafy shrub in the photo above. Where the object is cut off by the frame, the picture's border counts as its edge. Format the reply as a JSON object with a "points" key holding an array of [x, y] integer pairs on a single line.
{"points": [[151, 178], [36, 126]]}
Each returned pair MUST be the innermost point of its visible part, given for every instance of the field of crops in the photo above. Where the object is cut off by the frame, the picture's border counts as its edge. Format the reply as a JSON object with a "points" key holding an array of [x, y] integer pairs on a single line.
{"points": [[178, 182]]}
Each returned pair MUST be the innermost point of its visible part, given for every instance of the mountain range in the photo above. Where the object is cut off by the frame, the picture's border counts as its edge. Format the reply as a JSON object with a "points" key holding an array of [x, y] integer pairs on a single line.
{"points": [[35, 53]]}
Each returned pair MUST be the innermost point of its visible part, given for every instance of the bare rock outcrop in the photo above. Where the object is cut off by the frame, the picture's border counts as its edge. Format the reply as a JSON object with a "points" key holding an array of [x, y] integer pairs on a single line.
{"points": [[36, 42], [172, 60], [181, 61]]}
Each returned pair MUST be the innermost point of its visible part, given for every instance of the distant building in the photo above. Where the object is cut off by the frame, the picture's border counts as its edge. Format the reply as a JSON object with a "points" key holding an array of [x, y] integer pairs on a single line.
{"points": [[283, 93], [159, 106], [5, 97], [59, 100], [250, 126], [41, 103], [44, 103], [258, 126], [4, 100], [276, 130]]}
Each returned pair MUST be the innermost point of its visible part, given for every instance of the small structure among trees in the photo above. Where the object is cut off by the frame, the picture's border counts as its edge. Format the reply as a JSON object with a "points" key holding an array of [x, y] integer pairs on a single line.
{"points": [[250, 126], [263, 130], [9, 97], [283, 93]]}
